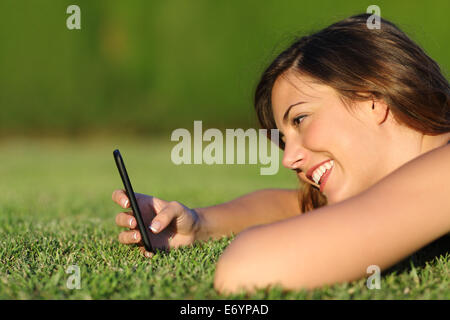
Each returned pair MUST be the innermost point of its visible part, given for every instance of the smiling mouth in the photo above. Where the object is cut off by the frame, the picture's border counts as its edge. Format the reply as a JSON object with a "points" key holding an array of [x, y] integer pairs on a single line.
{"points": [[320, 184], [305, 179], [321, 171], [324, 179]]}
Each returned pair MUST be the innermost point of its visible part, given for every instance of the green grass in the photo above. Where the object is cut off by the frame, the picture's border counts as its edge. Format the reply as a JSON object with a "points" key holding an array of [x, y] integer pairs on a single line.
{"points": [[56, 211]]}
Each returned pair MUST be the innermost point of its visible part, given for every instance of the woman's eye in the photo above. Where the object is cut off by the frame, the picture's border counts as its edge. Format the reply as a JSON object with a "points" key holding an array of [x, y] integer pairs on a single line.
{"points": [[296, 121]]}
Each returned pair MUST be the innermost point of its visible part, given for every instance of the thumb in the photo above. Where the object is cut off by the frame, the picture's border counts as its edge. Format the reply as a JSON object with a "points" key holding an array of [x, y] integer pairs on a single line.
{"points": [[163, 218]]}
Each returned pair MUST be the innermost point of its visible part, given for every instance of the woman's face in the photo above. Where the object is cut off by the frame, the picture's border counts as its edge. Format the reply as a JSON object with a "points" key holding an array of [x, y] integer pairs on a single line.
{"points": [[357, 143]]}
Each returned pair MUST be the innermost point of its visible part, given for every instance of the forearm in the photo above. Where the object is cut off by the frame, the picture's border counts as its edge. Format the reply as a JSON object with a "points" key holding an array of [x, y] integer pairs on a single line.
{"points": [[397, 216], [259, 207]]}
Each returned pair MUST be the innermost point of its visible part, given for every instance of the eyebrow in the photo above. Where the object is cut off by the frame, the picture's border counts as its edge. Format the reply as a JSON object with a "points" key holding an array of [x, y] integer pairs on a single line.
{"points": [[289, 109]]}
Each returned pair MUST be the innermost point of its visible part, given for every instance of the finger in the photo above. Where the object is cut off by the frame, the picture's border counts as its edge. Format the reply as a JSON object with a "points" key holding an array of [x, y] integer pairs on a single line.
{"points": [[165, 216], [120, 197], [130, 237], [146, 253], [157, 204], [126, 219]]}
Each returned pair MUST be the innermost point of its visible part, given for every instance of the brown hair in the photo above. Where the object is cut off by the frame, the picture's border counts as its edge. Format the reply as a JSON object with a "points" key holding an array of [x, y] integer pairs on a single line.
{"points": [[353, 59]]}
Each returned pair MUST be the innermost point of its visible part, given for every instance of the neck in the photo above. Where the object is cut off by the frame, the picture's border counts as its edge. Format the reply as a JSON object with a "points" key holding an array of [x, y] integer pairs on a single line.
{"points": [[432, 142]]}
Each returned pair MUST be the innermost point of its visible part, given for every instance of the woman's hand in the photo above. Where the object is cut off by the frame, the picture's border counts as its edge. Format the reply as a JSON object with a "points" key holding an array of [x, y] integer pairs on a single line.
{"points": [[172, 223]]}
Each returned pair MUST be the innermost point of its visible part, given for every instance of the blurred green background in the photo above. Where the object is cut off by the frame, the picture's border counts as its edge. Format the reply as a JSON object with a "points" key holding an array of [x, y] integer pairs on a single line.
{"points": [[148, 67]]}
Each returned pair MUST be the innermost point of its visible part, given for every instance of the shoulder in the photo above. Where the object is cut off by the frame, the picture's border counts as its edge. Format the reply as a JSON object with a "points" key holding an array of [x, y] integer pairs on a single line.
{"points": [[419, 187], [427, 172]]}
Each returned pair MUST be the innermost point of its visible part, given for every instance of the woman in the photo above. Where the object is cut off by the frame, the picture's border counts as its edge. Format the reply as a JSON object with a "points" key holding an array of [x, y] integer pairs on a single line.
{"points": [[364, 119]]}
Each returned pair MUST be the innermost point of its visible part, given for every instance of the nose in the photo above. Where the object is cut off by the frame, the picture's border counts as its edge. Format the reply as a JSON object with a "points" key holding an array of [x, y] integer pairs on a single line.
{"points": [[293, 155]]}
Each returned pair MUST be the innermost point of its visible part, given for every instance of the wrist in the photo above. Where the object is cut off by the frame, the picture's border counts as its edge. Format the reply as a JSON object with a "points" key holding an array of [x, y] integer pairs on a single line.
{"points": [[200, 230]]}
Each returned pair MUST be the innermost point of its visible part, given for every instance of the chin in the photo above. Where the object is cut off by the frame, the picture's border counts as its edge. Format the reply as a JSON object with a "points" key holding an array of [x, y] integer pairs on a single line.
{"points": [[330, 200], [334, 198]]}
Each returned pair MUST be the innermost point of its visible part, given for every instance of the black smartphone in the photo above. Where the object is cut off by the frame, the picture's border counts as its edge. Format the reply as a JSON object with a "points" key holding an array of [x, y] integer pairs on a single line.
{"points": [[134, 205]]}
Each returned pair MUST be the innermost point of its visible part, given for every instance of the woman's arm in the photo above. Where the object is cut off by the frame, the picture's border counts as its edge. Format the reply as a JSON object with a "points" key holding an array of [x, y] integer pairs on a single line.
{"points": [[186, 225], [259, 207], [381, 226]]}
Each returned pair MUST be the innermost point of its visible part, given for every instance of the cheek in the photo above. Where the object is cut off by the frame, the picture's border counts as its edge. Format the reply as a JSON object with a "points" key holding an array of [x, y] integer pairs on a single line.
{"points": [[334, 132], [323, 134]]}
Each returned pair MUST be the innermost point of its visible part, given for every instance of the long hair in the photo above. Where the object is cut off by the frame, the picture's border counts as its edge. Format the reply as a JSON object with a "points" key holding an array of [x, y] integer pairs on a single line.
{"points": [[381, 63]]}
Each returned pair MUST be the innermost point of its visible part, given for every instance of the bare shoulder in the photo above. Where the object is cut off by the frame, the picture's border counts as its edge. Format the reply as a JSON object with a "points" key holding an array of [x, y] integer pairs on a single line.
{"points": [[425, 170], [419, 186], [439, 155]]}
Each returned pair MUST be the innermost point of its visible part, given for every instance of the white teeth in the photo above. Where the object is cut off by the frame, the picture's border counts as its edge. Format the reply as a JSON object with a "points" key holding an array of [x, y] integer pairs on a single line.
{"points": [[316, 177], [321, 170]]}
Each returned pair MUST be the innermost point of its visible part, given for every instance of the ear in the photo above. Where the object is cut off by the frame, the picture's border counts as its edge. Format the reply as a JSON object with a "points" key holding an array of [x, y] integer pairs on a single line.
{"points": [[379, 111]]}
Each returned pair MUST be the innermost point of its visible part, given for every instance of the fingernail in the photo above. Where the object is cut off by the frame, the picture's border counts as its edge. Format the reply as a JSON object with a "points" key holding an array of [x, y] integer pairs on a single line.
{"points": [[125, 203], [131, 222], [155, 226], [148, 254], [135, 236]]}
